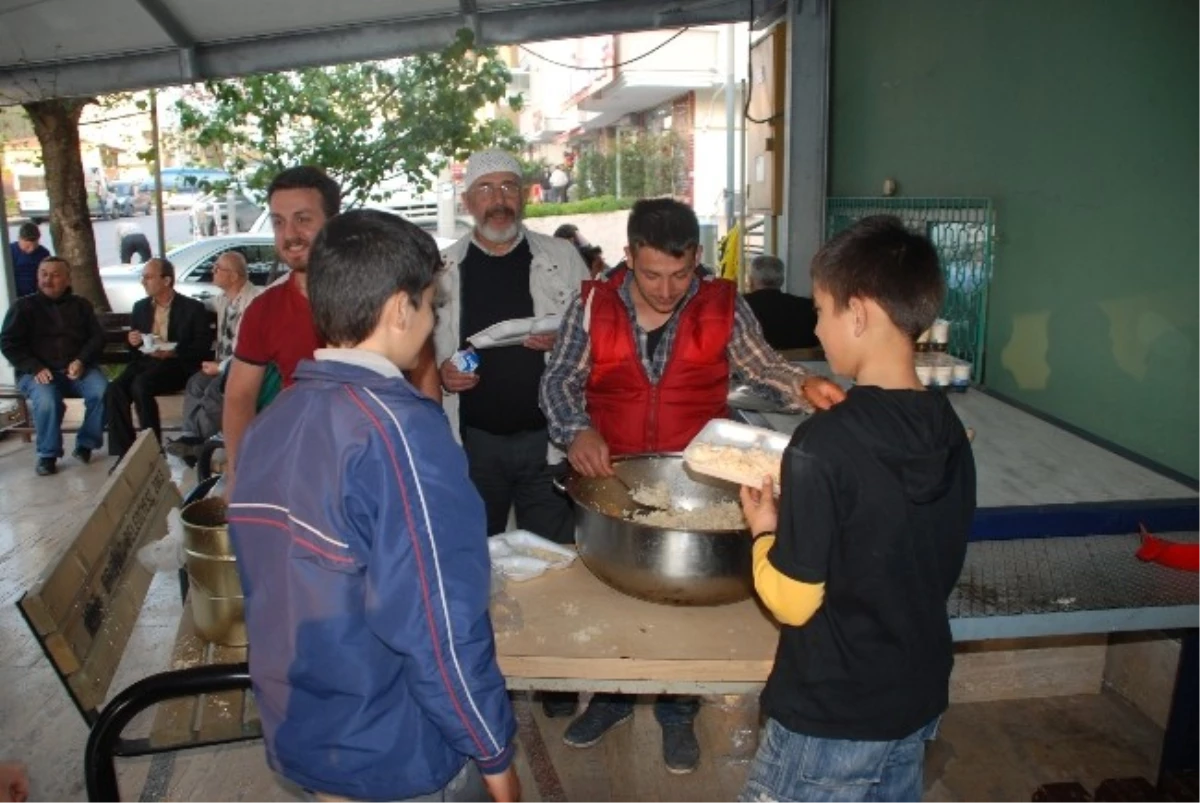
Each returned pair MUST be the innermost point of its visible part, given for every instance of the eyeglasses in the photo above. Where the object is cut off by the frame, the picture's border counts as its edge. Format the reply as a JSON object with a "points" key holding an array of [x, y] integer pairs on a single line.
{"points": [[509, 188]]}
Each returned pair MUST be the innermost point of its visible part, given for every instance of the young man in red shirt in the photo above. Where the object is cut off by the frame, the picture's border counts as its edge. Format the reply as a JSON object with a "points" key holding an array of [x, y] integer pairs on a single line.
{"points": [[277, 328]]}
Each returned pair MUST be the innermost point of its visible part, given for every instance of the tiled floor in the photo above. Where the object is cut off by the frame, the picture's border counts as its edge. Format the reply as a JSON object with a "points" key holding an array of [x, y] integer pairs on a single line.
{"points": [[987, 751]]}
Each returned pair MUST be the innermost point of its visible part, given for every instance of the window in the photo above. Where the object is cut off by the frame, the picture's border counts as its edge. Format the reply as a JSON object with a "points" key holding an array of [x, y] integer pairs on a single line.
{"points": [[260, 262]]}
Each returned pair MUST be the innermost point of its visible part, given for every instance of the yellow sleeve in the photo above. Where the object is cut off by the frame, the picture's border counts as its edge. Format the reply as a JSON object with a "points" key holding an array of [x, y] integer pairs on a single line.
{"points": [[791, 601]]}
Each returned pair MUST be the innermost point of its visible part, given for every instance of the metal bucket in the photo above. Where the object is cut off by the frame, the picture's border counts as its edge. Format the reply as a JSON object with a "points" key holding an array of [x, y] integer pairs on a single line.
{"points": [[216, 589]]}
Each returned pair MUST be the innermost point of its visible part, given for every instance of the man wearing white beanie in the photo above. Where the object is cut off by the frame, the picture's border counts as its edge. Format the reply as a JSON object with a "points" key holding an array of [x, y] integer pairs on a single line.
{"points": [[498, 272]]}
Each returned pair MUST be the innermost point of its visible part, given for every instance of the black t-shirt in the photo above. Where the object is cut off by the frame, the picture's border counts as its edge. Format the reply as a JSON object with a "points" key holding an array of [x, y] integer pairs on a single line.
{"points": [[878, 499], [788, 321], [494, 289]]}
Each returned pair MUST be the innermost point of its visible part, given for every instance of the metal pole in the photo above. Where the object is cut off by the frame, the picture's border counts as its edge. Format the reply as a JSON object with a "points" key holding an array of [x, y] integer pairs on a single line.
{"points": [[158, 193], [806, 138], [730, 128], [618, 163], [742, 276], [8, 285]]}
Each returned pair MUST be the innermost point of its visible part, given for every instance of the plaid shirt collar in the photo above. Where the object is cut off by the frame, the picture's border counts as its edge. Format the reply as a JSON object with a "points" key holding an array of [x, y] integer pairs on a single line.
{"points": [[655, 366]]}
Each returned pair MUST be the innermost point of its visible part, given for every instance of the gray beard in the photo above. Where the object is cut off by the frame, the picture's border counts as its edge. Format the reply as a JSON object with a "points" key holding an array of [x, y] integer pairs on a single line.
{"points": [[500, 235]]}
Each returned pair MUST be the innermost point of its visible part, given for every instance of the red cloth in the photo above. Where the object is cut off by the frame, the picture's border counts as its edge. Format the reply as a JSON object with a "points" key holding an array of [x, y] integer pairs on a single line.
{"points": [[1168, 553], [278, 328], [633, 415]]}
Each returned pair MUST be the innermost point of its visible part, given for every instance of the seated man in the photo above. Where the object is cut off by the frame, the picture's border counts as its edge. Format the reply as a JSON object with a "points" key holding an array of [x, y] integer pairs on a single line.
{"points": [[204, 396], [164, 317], [788, 321], [54, 342]]}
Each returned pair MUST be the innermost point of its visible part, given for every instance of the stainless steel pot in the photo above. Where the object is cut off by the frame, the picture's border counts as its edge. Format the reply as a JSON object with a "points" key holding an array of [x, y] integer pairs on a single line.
{"points": [[659, 564]]}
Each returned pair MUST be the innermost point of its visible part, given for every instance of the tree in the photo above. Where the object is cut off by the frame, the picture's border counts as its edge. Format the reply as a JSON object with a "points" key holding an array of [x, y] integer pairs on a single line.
{"points": [[363, 123], [56, 125]]}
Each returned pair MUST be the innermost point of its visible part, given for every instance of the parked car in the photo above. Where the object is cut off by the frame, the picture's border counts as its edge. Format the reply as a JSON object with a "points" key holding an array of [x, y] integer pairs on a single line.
{"points": [[194, 269], [129, 198], [263, 224], [246, 213]]}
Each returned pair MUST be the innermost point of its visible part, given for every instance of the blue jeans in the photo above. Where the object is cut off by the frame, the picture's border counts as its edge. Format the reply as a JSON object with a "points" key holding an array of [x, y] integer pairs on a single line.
{"points": [[792, 766], [47, 408], [668, 709]]}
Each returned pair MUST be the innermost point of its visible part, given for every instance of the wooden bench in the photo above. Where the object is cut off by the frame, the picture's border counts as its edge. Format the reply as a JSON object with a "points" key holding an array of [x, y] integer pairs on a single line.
{"points": [[116, 326], [82, 611]]}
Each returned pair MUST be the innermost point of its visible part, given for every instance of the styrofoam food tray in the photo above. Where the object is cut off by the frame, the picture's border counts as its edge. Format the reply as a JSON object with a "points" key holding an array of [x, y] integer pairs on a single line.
{"points": [[722, 432], [512, 332]]}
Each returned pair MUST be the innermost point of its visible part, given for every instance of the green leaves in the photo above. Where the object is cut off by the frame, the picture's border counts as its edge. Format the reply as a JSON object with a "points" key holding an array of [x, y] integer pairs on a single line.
{"points": [[363, 123]]}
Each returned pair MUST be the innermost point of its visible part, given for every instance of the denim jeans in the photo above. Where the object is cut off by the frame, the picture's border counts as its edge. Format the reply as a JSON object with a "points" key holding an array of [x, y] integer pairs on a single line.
{"points": [[668, 709], [466, 785], [46, 406], [792, 766]]}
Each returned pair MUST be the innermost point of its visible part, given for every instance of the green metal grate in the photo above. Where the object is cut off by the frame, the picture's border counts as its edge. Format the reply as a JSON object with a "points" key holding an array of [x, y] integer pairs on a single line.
{"points": [[963, 230]]}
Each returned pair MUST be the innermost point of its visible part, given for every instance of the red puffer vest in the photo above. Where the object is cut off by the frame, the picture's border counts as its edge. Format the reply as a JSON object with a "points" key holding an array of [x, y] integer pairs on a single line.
{"points": [[635, 416]]}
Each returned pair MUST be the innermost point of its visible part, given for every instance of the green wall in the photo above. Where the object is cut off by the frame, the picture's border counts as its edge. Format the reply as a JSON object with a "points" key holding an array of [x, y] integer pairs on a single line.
{"points": [[1079, 119]]}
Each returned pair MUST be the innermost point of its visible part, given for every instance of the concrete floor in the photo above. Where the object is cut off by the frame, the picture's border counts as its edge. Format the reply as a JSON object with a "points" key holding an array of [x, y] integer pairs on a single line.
{"points": [[987, 751]]}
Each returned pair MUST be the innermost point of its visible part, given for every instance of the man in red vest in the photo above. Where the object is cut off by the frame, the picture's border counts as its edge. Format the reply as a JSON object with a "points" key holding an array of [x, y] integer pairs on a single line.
{"points": [[642, 362]]}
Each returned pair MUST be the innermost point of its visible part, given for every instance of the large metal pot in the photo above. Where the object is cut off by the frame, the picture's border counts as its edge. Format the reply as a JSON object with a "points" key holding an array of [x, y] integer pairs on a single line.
{"points": [[659, 564]]}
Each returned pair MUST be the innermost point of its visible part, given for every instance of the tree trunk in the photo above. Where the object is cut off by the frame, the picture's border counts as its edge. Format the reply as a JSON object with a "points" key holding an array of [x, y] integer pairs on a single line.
{"points": [[56, 123]]}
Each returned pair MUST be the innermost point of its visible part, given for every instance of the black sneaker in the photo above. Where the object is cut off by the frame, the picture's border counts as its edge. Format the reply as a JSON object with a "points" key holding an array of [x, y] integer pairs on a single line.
{"points": [[187, 446], [82, 454], [46, 466], [559, 704], [681, 751], [592, 724]]}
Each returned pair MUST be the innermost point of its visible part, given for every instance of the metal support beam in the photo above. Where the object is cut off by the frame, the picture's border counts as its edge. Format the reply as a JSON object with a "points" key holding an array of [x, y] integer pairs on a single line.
{"points": [[8, 285], [470, 13], [178, 34], [807, 127], [169, 23], [383, 39]]}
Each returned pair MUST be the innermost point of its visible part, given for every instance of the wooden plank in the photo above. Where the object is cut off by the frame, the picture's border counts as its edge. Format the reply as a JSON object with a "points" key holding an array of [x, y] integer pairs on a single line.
{"points": [[251, 719], [666, 671], [93, 679], [221, 714], [567, 623], [174, 720], [84, 607]]}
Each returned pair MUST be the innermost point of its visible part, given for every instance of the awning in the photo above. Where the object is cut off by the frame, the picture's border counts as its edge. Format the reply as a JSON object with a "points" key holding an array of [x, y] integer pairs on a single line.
{"points": [[67, 48]]}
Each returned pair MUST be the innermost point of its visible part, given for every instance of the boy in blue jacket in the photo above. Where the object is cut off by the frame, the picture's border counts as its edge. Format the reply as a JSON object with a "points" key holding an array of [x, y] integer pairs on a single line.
{"points": [[362, 548], [877, 500]]}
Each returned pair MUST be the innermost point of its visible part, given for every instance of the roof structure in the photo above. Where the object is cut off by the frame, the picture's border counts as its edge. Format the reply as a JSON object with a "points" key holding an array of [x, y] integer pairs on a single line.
{"points": [[73, 48]]}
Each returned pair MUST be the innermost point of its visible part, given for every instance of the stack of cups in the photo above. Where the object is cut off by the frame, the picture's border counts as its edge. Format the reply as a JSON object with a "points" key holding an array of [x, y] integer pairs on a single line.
{"points": [[939, 335]]}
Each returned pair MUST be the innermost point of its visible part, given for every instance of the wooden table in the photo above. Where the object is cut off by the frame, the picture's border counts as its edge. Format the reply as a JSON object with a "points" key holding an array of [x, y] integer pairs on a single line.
{"points": [[568, 631]]}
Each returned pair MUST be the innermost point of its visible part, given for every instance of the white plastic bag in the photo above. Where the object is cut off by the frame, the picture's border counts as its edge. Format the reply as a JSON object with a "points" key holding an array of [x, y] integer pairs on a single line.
{"points": [[166, 554], [521, 555]]}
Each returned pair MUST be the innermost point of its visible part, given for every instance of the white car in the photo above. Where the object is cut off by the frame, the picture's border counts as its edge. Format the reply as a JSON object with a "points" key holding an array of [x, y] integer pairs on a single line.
{"points": [[194, 268]]}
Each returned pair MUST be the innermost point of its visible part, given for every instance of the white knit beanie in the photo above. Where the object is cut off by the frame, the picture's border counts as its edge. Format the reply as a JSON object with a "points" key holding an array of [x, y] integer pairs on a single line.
{"points": [[490, 161]]}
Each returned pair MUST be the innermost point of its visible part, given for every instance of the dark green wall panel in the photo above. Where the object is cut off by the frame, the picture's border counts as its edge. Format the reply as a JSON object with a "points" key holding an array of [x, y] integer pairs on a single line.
{"points": [[1079, 119]]}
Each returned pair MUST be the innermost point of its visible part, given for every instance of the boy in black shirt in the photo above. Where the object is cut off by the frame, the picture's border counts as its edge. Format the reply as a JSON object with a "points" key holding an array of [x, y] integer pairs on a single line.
{"points": [[877, 500]]}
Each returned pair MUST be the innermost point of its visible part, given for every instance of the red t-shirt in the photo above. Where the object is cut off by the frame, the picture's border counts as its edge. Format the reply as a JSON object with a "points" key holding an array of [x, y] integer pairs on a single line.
{"points": [[278, 327]]}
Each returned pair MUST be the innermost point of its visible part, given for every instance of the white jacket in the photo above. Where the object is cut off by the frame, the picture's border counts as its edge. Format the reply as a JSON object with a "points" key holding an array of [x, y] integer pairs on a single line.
{"points": [[555, 275]]}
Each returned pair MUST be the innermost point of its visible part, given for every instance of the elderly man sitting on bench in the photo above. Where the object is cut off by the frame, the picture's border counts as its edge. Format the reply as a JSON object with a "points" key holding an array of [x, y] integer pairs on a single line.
{"points": [[204, 396], [54, 342]]}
